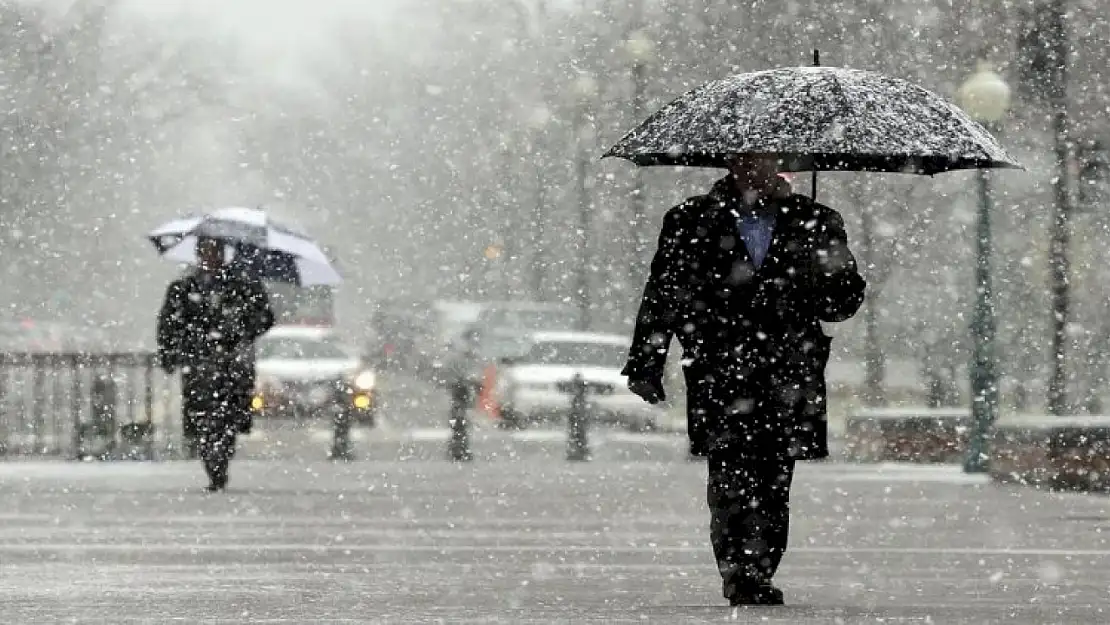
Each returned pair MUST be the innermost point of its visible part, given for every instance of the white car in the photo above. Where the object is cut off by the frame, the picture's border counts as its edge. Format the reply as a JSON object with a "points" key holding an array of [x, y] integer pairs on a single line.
{"points": [[538, 385], [304, 371]]}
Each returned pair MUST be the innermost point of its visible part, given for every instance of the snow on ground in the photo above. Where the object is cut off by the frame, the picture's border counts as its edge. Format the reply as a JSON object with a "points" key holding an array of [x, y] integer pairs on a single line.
{"points": [[536, 540]]}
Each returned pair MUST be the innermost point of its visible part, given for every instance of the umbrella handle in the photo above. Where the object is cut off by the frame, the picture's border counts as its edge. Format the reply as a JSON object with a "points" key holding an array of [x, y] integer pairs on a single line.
{"points": [[813, 192]]}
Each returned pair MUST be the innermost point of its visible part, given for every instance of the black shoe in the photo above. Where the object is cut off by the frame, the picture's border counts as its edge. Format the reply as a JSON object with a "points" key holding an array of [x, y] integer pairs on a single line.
{"points": [[755, 594], [217, 483]]}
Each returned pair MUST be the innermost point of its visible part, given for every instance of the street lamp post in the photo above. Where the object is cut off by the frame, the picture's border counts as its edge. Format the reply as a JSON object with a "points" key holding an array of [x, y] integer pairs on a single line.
{"points": [[507, 220], [538, 124], [986, 97], [641, 51], [585, 88], [1060, 264]]}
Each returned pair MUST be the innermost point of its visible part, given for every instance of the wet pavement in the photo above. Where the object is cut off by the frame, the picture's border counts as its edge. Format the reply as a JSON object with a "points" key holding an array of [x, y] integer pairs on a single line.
{"points": [[527, 538]]}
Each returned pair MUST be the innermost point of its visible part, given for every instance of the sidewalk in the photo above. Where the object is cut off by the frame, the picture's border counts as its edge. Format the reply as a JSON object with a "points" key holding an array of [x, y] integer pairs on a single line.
{"points": [[533, 541], [486, 441]]}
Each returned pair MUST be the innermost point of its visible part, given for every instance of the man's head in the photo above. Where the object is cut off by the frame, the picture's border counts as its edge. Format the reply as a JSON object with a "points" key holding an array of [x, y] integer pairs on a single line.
{"points": [[755, 173], [210, 253]]}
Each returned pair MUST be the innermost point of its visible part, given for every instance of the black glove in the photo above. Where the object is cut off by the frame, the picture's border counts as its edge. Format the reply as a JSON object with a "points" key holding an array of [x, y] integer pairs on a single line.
{"points": [[649, 389], [699, 448], [167, 365], [697, 430]]}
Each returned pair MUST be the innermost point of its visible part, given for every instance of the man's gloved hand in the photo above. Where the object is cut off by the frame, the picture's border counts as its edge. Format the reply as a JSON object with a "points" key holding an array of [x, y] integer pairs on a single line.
{"points": [[167, 365], [649, 389], [244, 423]]}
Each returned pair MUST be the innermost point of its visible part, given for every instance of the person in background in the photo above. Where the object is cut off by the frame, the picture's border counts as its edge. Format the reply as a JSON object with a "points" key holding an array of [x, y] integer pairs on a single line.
{"points": [[207, 326]]}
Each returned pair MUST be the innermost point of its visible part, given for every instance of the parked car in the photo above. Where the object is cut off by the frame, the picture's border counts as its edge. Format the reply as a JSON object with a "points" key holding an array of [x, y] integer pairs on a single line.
{"points": [[306, 372], [537, 385]]}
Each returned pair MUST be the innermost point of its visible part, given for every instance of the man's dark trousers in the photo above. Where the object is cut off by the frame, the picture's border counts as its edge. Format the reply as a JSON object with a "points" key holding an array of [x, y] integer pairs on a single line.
{"points": [[749, 507], [750, 472], [213, 407]]}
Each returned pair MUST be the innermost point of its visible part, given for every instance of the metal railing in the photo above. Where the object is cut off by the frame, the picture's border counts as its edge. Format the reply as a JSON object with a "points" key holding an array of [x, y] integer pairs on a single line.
{"points": [[80, 405]]}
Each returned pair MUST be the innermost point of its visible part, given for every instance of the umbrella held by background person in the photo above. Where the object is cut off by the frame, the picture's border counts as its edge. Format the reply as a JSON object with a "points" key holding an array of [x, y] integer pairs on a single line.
{"points": [[277, 251]]}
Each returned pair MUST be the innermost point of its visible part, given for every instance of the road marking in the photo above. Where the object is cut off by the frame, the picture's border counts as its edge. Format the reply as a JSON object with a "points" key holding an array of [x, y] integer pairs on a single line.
{"points": [[326, 435], [539, 436], [439, 434], [425, 434], [646, 437], [807, 473], [892, 473], [169, 547], [248, 570]]}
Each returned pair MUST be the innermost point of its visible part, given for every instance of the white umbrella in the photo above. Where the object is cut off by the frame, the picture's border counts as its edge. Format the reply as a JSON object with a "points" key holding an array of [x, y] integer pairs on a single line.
{"points": [[284, 246]]}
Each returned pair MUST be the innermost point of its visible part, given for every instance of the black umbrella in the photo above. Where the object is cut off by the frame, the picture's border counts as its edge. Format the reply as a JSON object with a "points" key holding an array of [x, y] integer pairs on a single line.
{"points": [[814, 118]]}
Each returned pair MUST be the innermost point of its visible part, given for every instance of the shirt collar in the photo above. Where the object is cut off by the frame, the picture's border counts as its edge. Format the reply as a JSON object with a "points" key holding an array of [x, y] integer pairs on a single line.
{"points": [[753, 216]]}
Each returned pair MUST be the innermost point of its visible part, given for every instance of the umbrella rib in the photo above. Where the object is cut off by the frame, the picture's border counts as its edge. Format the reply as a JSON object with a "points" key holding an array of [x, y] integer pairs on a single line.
{"points": [[849, 106]]}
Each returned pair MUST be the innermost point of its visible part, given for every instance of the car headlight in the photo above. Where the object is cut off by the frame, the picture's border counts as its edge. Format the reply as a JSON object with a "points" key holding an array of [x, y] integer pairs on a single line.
{"points": [[365, 381]]}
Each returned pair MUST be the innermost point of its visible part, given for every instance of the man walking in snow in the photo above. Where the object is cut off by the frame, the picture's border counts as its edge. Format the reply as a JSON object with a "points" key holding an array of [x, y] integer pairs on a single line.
{"points": [[742, 278]]}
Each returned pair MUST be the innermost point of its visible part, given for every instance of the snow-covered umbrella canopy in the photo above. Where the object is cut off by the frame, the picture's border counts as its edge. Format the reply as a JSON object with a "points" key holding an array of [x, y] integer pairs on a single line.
{"points": [[287, 254], [814, 118]]}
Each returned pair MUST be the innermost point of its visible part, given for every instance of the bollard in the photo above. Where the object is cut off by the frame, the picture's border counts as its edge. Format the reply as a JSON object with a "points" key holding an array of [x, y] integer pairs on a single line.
{"points": [[458, 445], [191, 447], [578, 444], [102, 420], [341, 438], [148, 406]]}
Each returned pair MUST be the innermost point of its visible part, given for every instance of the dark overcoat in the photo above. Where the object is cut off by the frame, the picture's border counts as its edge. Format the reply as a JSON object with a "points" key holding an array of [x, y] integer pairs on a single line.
{"points": [[206, 328], [754, 351]]}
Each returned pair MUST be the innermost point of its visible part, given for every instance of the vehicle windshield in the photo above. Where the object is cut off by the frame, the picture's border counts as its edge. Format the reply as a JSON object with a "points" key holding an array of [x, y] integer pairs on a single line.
{"points": [[300, 348], [575, 353]]}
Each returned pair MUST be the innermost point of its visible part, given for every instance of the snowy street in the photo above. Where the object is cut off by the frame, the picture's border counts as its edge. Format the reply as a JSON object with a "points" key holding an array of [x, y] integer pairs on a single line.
{"points": [[439, 296], [486, 443], [530, 540]]}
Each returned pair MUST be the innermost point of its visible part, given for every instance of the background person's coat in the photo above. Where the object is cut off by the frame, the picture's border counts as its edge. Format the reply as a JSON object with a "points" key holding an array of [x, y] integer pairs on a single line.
{"points": [[206, 328], [754, 352]]}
